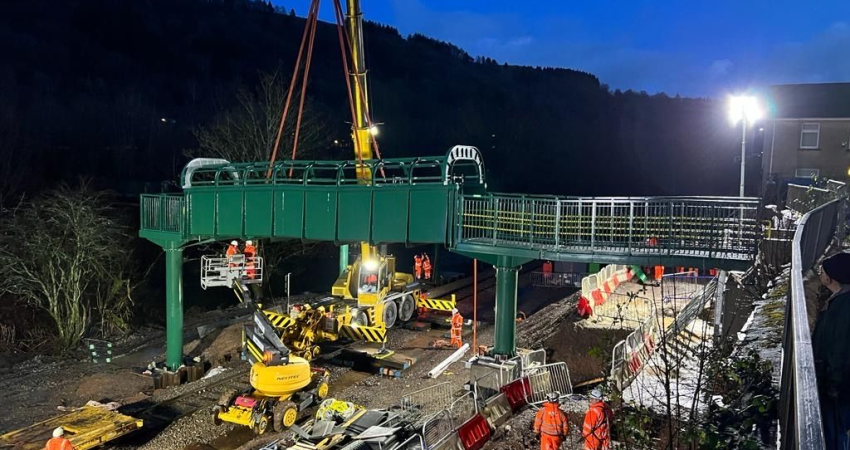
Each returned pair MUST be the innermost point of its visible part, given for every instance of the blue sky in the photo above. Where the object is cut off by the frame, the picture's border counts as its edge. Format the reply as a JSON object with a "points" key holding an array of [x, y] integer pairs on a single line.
{"points": [[690, 47]]}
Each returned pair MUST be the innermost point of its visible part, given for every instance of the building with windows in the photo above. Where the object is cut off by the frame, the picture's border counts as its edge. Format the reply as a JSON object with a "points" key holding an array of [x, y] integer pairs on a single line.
{"points": [[807, 135]]}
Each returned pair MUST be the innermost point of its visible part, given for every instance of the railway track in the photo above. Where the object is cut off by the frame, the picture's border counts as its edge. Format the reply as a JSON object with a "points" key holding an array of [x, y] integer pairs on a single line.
{"points": [[192, 397]]}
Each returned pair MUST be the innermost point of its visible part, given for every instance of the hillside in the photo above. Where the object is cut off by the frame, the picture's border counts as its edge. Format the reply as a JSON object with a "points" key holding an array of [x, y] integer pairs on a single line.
{"points": [[112, 89]]}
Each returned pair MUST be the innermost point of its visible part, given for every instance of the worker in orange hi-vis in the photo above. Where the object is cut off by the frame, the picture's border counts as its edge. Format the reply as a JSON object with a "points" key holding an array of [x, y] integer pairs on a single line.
{"points": [[457, 329], [426, 266], [551, 423], [232, 250], [597, 423], [417, 266], [250, 251], [59, 442], [659, 272]]}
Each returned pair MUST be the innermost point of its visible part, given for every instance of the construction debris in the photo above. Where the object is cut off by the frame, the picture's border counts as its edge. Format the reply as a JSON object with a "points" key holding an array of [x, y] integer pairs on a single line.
{"points": [[436, 371]]}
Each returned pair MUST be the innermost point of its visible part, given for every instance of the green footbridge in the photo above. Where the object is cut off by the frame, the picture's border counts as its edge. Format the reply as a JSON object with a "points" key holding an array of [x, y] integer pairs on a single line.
{"points": [[437, 200]]}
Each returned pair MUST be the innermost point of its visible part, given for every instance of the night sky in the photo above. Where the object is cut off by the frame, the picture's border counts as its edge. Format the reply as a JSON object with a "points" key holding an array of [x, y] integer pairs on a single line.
{"points": [[693, 48]]}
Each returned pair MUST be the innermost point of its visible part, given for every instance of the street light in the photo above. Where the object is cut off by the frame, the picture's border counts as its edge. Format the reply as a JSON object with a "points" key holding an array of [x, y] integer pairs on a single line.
{"points": [[744, 109]]}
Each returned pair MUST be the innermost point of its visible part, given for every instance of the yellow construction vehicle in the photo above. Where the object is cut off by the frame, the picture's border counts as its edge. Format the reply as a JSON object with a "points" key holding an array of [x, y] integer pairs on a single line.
{"points": [[282, 385]]}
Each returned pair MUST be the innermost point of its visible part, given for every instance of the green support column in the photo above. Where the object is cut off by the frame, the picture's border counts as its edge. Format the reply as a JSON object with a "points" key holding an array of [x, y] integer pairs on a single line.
{"points": [[173, 305], [343, 258], [506, 293]]}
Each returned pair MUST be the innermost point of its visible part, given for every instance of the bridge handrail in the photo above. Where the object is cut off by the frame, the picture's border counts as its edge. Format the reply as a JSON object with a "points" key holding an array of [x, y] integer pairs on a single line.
{"points": [[163, 212], [639, 225], [429, 169], [799, 403]]}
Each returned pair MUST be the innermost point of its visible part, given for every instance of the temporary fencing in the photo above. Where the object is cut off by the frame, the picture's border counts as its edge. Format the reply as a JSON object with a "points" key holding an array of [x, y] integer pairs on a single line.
{"points": [[427, 401], [543, 380], [624, 309], [437, 428], [597, 288], [631, 354], [463, 407], [556, 280]]}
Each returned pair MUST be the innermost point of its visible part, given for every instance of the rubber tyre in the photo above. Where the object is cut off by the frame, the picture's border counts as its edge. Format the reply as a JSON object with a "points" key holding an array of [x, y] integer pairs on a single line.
{"points": [[217, 409], [322, 391], [262, 426], [406, 307], [359, 318], [390, 314], [285, 415]]}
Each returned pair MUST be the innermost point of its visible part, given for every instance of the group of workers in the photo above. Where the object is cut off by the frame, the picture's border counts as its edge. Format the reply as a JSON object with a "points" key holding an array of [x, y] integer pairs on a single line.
{"points": [[553, 426], [249, 251], [422, 263]]}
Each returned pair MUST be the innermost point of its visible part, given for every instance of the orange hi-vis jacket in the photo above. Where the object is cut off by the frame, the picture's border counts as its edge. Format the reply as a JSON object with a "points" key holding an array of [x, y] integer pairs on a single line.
{"points": [[552, 421], [250, 251], [426, 264], [596, 429], [59, 443], [232, 250]]}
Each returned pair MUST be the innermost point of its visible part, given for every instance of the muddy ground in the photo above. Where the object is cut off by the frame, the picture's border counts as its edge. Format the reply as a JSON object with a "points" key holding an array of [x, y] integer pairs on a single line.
{"points": [[32, 390]]}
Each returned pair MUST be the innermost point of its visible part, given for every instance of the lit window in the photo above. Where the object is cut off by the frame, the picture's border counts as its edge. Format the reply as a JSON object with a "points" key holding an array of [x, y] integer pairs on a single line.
{"points": [[810, 136], [807, 173]]}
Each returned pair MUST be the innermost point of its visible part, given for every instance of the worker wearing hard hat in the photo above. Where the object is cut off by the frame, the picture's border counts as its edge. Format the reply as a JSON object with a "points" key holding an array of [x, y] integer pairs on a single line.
{"points": [[417, 266], [426, 266], [597, 423], [250, 251], [551, 423], [457, 328], [58, 442], [232, 250]]}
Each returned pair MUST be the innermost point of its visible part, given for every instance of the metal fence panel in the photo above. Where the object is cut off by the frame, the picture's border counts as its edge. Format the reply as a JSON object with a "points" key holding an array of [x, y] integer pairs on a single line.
{"points": [[463, 407], [437, 428], [429, 400], [546, 379]]}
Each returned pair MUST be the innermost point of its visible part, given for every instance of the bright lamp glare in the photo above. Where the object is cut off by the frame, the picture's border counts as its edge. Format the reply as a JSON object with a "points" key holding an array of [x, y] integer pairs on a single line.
{"points": [[744, 107], [374, 130], [370, 265]]}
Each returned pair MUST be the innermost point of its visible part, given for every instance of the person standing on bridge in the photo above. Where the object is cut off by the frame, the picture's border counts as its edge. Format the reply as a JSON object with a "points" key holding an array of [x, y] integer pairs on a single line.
{"points": [[457, 329], [551, 424], [831, 348], [417, 266], [58, 442], [597, 423]]}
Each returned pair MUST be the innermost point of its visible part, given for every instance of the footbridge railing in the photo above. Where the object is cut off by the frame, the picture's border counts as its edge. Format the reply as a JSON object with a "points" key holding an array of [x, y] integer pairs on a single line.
{"points": [[705, 227]]}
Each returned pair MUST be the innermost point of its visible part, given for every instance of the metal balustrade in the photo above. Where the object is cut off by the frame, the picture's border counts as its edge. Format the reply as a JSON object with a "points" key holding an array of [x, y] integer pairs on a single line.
{"points": [[799, 403], [163, 212], [711, 227]]}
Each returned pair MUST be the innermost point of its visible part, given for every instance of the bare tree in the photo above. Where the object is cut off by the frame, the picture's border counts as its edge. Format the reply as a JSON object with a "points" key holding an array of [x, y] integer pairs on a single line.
{"points": [[67, 254], [247, 131]]}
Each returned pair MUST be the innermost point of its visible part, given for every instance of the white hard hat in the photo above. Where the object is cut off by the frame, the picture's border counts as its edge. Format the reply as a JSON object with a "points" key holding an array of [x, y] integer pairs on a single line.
{"points": [[596, 394], [553, 396], [249, 242], [454, 311], [59, 432], [234, 243]]}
